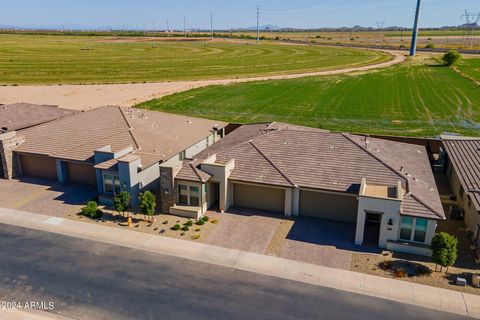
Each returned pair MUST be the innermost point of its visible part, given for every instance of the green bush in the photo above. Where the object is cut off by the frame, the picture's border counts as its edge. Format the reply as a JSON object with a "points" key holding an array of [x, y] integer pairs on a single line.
{"points": [[189, 223], [444, 249], [147, 203], [121, 202], [429, 45], [91, 210], [206, 218], [451, 57], [185, 228], [200, 222], [197, 229], [176, 227]]}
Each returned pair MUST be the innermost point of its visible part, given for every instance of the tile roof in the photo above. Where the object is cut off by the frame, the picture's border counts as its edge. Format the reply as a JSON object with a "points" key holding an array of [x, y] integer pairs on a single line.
{"points": [[464, 153], [190, 172], [331, 161], [24, 115], [154, 136]]}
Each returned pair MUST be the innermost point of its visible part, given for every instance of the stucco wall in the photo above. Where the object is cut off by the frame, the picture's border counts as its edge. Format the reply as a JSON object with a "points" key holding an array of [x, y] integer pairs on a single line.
{"points": [[471, 215], [390, 209]]}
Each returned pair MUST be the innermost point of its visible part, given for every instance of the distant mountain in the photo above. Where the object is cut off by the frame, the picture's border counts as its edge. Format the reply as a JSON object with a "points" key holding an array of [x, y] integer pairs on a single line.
{"points": [[267, 27]]}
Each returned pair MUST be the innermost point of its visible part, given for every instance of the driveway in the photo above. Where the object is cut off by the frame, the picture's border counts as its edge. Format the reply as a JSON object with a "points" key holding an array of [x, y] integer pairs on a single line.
{"points": [[44, 196], [244, 229], [312, 240], [323, 242]]}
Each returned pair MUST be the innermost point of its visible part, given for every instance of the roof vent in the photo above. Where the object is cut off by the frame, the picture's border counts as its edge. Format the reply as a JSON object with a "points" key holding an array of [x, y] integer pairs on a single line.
{"points": [[335, 182], [285, 143], [332, 147]]}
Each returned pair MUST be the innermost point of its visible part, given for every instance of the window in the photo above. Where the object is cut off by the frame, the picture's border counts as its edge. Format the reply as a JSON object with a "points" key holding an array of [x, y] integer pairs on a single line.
{"points": [[420, 230], [182, 195], [406, 228], [413, 229], [189, 195], [111, 183], [194, 196]]}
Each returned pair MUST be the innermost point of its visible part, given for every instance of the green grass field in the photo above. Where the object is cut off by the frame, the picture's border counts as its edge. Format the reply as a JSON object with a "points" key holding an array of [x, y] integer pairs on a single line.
{"points": [[471, 67], [411, 99], [41, 59]]}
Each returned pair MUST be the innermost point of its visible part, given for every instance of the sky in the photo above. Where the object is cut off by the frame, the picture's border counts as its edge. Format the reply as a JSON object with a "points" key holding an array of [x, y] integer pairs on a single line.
{"points": [[230, 14]]}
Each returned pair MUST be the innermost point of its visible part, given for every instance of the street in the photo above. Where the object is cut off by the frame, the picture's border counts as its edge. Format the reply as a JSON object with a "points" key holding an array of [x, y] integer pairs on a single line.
{"points": [[92, 280]]}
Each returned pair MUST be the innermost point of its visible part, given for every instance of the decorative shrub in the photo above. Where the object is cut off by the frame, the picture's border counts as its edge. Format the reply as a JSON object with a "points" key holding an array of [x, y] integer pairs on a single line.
{"points": [[188, 223], [386, 264], [400, 273], [196, 237], [91, 210], [182, 234], [200, 222], [197, 229], [451, 57], [206, 218], [423, 270], [215, 221], [185, 228], [176, 227], [165, 222]]}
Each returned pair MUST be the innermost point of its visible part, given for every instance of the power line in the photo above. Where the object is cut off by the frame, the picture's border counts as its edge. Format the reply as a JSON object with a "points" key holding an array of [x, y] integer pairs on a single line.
{"points": [[413, 46], [184, 28]]}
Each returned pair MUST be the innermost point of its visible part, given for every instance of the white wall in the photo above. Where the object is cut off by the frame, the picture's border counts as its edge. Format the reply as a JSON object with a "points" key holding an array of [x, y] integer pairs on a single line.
{"points": [[390, 209]]}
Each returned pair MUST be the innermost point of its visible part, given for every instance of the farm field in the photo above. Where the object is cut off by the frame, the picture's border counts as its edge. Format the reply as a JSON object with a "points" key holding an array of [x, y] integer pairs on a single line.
{"points": [[471, 67], [53, 59], [413, 99]]}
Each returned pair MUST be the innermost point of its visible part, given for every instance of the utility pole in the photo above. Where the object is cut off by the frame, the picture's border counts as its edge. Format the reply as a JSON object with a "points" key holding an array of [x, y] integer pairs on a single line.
{"points": [[258, 24], [413, 46], [168, 26], [184, 28], [380, 25], [211, 23]]}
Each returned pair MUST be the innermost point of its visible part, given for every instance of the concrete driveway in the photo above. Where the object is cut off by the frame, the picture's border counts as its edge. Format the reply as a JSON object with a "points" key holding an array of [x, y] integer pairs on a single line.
{"points": [[44, 196]]}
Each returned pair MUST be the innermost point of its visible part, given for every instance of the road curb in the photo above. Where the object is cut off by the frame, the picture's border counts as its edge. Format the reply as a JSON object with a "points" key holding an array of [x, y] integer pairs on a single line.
{"points": [[379, 287]]}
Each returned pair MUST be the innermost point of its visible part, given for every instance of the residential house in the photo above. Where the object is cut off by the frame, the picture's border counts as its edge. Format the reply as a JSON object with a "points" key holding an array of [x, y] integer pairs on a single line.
{"points": [[114, 149], [20, 116], [463, 173], [298, 171]]}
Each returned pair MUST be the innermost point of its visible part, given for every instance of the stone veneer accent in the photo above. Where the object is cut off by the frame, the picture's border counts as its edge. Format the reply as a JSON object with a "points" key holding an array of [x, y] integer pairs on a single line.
{"points": [[167, 188], [8, 142]]}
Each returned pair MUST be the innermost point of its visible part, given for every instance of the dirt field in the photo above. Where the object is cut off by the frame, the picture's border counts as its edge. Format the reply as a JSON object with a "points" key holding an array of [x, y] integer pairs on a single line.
{"points": [[84, 97]]}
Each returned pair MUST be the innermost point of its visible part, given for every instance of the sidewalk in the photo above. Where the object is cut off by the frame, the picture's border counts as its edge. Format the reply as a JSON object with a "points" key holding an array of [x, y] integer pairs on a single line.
{"points": [[29, 315], [390, 289]]}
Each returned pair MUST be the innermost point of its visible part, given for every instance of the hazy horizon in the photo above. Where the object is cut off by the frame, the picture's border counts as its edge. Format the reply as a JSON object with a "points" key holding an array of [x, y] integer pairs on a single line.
{"points": [[150, 14]]}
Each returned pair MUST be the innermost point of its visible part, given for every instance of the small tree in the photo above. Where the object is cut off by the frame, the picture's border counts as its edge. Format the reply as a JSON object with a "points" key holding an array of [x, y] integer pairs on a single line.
{"points": [[444, 250], [121, 202], [451, 57], [147, 203]]}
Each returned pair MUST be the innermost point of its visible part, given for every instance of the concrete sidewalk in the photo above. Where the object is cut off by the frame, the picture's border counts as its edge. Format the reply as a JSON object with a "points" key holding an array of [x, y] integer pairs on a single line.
{"points": [[395, 290]]}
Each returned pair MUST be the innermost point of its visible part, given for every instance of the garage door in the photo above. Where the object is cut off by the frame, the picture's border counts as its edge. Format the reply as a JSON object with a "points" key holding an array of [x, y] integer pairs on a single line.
{"points": [[328, 206], [38, 166], [81, 174], [256, 197]]}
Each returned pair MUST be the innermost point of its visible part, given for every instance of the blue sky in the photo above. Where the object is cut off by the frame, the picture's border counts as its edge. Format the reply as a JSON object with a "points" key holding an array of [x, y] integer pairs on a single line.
{"points": [[227, 14]]}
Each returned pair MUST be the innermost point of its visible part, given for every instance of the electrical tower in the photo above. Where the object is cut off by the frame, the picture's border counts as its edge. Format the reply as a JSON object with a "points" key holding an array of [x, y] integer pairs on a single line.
{"points": [[258, 24], [413, 46], [380, 25], [472, 20]]}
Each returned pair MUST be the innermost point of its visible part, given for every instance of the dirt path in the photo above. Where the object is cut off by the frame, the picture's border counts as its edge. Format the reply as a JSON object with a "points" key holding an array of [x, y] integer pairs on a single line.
{"points": [[84, 97]]}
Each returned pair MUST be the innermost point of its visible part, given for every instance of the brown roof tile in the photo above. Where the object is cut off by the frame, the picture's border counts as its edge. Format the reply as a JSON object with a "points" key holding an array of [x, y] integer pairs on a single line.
{"points": [[24, 115]]}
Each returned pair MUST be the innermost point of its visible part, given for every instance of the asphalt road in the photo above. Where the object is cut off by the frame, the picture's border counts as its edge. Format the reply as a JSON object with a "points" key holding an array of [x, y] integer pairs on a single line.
{"points": [[92, 280]]}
